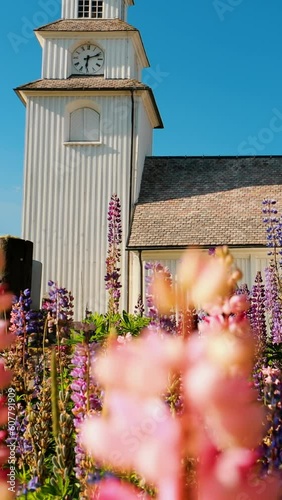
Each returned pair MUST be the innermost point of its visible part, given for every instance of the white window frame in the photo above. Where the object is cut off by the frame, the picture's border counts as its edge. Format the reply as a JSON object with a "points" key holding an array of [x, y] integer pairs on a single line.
{"points": [[92, 9]]}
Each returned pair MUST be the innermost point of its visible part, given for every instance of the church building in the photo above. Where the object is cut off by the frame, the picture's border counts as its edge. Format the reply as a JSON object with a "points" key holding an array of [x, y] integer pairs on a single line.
{"points": [[89, 131]]}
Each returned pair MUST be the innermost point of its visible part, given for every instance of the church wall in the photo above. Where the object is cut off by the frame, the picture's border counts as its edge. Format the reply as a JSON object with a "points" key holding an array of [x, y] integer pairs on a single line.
{"points": [[119, 57], [248, 260], [67, 191], [55, 60], [143, 149], [144, 145]]}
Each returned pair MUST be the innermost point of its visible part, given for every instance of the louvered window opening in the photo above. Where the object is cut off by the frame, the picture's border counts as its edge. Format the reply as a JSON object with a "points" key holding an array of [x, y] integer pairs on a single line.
{"points": [[84, 125], [90, 8]]}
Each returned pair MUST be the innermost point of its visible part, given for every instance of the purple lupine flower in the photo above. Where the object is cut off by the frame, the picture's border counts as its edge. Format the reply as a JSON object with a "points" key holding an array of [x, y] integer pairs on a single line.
{"points": [[139, 308], [27, 325], [272, 394], [112, 277], [86, 399], [257, 313], [16, 437], [273, 303], [25, 322], [59, 307], [273, 223], [60, 302]]}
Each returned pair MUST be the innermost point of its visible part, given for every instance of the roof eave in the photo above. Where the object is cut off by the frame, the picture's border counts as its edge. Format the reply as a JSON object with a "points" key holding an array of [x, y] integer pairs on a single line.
{"points": [[150, 248], [21, 95], [158, 122]]}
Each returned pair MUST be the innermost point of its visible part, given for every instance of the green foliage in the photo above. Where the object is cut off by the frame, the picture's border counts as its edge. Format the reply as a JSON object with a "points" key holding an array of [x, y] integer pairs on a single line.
{"points": [[272, 354], [68, 490], [123, 323]]}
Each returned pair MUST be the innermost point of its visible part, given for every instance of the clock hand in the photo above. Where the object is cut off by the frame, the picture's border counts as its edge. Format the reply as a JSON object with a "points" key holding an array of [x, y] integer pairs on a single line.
{"points": [[96, 55], [87, 62]]}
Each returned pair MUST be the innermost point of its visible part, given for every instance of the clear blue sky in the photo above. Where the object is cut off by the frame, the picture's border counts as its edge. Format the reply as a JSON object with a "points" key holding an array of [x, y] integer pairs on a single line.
{"points": [[216, 71]]}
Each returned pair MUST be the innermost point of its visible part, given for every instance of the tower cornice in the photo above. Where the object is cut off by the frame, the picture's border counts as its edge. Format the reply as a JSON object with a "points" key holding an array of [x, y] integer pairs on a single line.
{"points": [[100, 29]]}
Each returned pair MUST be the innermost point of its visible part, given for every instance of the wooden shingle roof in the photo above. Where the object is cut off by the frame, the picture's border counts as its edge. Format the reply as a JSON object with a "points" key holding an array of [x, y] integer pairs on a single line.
{"points": [[75, 82], [204, 201], [88, 25]]}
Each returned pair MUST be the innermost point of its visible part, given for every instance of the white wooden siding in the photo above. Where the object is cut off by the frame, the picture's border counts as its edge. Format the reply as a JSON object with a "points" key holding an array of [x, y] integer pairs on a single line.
{"points": [[119, 62], [143, 144], [66, 194], [249, 261]]}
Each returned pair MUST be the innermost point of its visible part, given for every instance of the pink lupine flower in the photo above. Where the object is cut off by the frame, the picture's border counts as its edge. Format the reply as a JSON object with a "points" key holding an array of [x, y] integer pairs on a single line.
{"points": [[5, 378], [5, 375], [130, 367], [136, 434], [231, 475], [5, 301], [203, 282], [123, 339], [221, 421], [236, 304], [6, 339], [218, 395], [112, 489]]}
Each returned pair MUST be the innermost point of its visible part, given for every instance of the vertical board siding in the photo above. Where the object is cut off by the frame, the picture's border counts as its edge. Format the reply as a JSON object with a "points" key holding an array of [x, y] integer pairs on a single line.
{"points": [[119, 57], [144, 144], [67, 191], [249, 263]]}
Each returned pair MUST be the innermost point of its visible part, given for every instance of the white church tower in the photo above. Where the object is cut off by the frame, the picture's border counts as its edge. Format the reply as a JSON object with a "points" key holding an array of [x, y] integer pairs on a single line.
{"points": [[89, 123]]}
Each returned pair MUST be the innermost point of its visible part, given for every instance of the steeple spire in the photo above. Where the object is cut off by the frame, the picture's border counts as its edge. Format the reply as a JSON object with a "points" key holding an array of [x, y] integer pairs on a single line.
{"points": [[95, 9]]}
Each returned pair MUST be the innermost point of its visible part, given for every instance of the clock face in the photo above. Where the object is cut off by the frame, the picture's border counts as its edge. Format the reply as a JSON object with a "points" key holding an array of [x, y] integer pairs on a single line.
{"points": [[88, 59]]}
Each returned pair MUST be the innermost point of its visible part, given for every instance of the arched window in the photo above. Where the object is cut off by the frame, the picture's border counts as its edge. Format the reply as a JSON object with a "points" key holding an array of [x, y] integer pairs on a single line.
{"points": [[84, 125], [90, 8]]}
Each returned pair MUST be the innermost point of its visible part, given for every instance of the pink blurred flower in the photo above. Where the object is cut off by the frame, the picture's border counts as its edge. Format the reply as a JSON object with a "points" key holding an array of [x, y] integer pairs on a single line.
{"points": [[136, 434], [223, 397], [123, 339], [221, 421], [5, 375], [202, 280], [6, 338], [231, 475], [112, 489], [129, 366]]}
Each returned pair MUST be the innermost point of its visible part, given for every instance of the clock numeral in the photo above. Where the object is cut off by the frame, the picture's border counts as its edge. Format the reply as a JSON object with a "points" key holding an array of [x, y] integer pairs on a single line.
{"points": [[83, 48], [88, 47]]}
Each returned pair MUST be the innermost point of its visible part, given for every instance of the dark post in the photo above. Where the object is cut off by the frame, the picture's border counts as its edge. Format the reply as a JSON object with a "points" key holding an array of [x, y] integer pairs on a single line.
{"points": [[18, 269]]}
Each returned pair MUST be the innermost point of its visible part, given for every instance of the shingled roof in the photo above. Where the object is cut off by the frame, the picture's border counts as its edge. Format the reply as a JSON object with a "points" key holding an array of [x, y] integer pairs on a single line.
{"points": [[204, 201], [84, 83], [90, 25]]}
